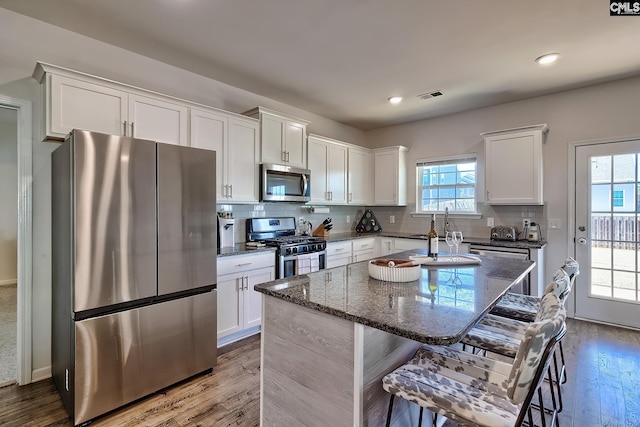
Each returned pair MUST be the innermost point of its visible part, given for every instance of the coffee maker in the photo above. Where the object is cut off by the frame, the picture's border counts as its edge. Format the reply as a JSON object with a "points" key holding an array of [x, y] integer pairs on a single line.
{"points": [[226, 237]]}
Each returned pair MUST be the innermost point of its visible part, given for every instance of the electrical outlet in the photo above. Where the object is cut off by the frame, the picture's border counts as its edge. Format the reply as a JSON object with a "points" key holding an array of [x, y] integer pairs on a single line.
{"points": [[490, 222], [348, 219], [526, 222], [392, 219]]}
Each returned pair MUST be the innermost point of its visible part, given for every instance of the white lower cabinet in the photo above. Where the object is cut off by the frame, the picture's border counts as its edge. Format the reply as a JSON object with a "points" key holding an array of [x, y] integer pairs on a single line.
{"points": [[239, 305], [338, 253], [408, 244], [363, 249]]}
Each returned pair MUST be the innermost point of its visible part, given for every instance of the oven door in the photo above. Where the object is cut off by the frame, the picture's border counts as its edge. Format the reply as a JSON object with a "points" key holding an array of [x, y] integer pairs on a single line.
{"points": [[292, 265], [281, 183]]}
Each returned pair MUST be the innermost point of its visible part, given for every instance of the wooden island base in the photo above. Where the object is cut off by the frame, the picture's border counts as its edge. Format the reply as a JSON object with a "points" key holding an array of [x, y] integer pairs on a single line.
{"points": [[322, 370]]}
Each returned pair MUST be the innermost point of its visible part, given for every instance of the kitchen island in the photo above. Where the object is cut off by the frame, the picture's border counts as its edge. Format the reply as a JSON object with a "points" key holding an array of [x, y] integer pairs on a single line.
{"points": [[329, 337]]}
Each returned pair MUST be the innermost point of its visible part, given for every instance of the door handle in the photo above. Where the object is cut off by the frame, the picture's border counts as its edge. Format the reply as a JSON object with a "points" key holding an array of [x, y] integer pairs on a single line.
{"points": [[124, 128], [132, 134], [231, 191], [246, 283], [582, 241]]}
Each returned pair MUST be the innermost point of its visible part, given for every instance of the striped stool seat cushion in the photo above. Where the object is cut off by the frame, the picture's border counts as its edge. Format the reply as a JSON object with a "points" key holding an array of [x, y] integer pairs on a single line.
{"points": [[517, 306], [497, 334], [525, 307]]}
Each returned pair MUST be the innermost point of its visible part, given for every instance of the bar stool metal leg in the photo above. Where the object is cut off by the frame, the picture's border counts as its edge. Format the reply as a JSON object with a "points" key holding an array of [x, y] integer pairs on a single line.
{"points": [[390, 410]]}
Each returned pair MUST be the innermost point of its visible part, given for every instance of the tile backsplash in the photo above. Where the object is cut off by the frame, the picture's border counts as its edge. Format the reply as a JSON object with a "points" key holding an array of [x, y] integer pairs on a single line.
{"points": [[344, 218]]}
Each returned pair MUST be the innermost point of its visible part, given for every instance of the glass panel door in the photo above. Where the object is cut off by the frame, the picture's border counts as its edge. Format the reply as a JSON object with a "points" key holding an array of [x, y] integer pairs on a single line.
{"points": [[606, 235]]}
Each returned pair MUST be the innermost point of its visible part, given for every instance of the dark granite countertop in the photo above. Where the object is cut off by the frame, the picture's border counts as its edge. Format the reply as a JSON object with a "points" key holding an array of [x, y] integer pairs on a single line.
{"points": [[461, 296], [522, 244], [241, 248]]}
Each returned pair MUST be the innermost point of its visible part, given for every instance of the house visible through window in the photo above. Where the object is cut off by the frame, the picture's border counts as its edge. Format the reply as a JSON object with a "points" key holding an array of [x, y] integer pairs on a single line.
{"points": [[618, 198], [447, 182]]}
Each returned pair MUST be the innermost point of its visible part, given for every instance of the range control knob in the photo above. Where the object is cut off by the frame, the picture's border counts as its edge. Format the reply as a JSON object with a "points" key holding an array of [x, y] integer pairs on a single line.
{"points": [[294, 250], [509, 235], [287, 251], [494, 235]]}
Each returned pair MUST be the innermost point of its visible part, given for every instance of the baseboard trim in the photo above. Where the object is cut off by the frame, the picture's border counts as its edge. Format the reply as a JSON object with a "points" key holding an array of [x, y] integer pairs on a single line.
{"points": [[8, 282], [41, 374]]}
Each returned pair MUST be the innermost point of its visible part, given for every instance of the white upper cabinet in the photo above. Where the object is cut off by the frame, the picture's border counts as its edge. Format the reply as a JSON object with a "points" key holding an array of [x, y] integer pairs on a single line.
{"points": [[359, 182], [390, 181], [283, 138], [236, 142], [157, 120], [74, 100], [328, 166], [513, 166], [76, 104]]}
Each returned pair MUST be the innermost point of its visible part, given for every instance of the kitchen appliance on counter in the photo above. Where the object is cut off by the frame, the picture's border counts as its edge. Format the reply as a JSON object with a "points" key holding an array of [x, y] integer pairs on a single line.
{"points": [[504, 232], [226, 237], [281, 183], [533, 233], [134, 269], [295, 254]]}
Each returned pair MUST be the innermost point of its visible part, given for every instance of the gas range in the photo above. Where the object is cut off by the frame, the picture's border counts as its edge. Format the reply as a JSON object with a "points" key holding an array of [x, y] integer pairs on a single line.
{"points": [[292, 251]]}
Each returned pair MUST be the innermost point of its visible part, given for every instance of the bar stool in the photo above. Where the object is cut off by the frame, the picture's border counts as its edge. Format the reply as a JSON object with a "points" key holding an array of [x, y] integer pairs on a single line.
{"points": [[524, 307], [502, 335], [476, 390]]}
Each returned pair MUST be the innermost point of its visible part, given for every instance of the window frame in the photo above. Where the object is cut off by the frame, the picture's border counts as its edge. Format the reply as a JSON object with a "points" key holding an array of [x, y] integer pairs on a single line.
{"points": [[453, 160]]}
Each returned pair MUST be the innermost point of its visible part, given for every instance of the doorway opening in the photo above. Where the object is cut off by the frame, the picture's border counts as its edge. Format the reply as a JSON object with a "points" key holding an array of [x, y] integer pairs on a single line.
{"points": [[8, 245], [20, 115]]}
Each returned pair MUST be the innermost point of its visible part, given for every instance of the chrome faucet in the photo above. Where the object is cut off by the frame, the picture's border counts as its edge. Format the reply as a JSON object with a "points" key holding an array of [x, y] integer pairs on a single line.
{"points": [[446, 220]]}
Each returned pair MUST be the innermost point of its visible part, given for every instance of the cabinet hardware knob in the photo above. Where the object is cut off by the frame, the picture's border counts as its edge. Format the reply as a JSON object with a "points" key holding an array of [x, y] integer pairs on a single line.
{"points": [[132, 133], [125, 128]]}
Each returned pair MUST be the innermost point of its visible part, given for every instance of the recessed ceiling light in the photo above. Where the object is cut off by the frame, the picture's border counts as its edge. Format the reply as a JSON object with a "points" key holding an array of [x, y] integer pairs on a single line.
{"points": [[395, 100], [547, 58]]}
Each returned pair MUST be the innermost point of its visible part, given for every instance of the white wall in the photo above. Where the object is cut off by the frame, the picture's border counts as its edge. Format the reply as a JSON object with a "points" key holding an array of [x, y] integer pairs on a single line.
{"points": [[23, 42], [9, 195], [597, 112]]}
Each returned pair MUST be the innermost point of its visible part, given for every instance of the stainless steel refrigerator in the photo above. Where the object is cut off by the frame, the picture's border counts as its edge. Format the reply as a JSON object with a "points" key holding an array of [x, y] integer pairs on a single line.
{"points": [[134, 269]]}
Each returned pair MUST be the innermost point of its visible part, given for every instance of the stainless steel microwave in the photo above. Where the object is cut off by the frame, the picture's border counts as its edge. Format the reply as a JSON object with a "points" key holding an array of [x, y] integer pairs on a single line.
{"points": [[281, 183]]}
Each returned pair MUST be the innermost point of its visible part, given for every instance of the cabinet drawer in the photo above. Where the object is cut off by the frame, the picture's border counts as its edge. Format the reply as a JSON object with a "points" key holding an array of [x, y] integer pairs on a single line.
{"points": [[364, 244], [245, 262], [339, 248]]}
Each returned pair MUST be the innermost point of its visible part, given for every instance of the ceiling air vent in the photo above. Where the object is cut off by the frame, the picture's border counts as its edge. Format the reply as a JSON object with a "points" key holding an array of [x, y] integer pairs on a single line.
{"points": [[430, 94]]}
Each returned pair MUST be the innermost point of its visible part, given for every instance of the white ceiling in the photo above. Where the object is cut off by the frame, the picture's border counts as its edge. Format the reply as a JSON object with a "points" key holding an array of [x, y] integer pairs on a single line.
{"points": [[342, 59]]}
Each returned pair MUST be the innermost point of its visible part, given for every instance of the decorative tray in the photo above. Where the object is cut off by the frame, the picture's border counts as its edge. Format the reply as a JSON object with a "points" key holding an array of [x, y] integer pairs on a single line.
{"points": [[446, 260]]}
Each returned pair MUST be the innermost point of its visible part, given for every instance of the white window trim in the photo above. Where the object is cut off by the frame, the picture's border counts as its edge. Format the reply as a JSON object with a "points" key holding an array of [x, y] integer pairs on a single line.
{"points": [[466, 215]]}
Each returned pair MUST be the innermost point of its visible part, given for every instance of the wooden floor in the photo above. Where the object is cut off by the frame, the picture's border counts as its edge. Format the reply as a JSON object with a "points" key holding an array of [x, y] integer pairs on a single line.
{"points": [[603, 389]]}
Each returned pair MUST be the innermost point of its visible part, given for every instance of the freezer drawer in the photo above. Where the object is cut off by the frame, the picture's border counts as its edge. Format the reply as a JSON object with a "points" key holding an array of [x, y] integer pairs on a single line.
{"points": [[124, 356]]}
